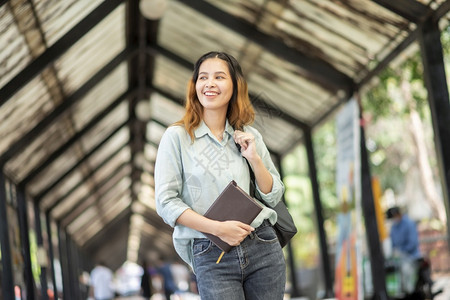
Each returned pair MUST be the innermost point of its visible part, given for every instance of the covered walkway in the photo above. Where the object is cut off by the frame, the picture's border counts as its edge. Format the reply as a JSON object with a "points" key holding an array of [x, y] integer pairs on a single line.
{"points": [[87, 87]]}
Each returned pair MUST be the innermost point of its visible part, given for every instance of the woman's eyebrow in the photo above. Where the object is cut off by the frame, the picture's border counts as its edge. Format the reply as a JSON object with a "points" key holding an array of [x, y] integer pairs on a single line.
{"points": [[218, 72]]}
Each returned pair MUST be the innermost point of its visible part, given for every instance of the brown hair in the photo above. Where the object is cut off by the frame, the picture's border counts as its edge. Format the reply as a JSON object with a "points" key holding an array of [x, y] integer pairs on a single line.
{"points": [[240, 110]]}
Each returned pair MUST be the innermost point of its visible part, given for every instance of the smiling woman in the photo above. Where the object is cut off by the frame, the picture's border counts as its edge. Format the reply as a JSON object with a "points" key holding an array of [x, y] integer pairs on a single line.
{"points": [[239, 112], [197, 158]]}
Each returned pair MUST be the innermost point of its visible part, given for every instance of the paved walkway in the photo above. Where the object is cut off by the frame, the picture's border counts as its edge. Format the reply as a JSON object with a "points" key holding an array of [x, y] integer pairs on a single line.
{"points": [[441, 282], [185, 296]]}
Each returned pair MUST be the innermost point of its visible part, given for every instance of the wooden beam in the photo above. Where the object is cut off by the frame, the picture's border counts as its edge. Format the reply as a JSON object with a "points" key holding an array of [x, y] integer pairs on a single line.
{"points": [[74, 139], [57, 49], [411, 10], [411, 38], [441, 11], [318, 71], [113, 178], [140, 33], [259, 103], [68, 102], [42, 193]]}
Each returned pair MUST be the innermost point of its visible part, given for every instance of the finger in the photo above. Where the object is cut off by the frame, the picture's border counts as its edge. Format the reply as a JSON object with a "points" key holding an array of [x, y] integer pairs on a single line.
{"points": [[247, 227], [242, 138], [237, 133], [241, 142], [247, 138], [240, 135]]}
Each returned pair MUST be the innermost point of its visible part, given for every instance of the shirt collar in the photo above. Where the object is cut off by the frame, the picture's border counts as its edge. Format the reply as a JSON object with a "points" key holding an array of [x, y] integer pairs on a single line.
{"points": [[229, 129], [202, 129]]}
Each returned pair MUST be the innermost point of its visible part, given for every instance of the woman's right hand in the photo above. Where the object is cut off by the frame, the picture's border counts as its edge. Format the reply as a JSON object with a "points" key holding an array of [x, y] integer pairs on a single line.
{"points": [[233, 232]]}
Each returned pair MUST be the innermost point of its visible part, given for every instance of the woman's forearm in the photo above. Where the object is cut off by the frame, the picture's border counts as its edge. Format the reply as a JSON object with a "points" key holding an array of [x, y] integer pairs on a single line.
{"points": [[262, 175]]}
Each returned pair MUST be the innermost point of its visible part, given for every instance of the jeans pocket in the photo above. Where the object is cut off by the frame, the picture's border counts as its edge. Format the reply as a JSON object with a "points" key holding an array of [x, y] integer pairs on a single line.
{"points": [[266, 234], [201, 246]]}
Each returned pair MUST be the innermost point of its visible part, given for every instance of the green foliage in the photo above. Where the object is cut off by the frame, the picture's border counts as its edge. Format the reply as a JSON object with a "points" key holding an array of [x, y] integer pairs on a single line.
{"points": [[35, 268], [382, 101], [324, 141], [388, 115], [387, 111], [445, 40], [389, 153], [298, 196]]}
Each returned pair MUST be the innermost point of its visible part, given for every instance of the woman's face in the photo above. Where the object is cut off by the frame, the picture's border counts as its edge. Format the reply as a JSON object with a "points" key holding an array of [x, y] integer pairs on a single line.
{"points": [[214, 85]]}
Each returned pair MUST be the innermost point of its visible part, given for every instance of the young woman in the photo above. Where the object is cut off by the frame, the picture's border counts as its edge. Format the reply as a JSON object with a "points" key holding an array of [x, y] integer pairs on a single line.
{"points": [[197, 158]]}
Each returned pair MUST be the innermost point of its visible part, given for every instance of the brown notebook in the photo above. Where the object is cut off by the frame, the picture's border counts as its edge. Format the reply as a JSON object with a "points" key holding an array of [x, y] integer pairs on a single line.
{"points": [[232, 204]]}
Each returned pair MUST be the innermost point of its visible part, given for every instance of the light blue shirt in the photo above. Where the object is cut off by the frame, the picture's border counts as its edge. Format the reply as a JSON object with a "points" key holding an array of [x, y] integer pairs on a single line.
{"points": [[193, 174]]}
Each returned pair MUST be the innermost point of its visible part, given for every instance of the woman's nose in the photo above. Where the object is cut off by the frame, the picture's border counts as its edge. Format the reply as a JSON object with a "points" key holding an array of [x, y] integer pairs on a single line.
{"points": [[210, 84]]}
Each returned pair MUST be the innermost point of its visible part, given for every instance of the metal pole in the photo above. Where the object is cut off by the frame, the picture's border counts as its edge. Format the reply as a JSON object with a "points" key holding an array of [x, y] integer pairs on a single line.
{"points": [[368, 208], [63, 257], [51, 254], [25, 242], [438, 100], [329, 293], [7, 274], [40, 244]]}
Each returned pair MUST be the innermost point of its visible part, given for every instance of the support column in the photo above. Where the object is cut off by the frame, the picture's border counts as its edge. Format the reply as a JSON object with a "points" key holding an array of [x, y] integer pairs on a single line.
{"points": [[51, 254], [438, 99], [64, 261], [40, 245], [7, 274], [25, 241], [73, 268], [370, 221], [329, 293]]}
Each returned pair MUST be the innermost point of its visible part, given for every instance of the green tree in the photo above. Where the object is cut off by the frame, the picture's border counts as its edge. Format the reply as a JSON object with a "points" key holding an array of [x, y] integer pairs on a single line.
{"points": [[299, 194], [398, 127], [399, 132]]}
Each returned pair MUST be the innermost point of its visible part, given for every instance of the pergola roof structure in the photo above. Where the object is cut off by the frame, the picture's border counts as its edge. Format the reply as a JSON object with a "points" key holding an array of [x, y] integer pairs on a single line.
{"points": [[87, 88]]}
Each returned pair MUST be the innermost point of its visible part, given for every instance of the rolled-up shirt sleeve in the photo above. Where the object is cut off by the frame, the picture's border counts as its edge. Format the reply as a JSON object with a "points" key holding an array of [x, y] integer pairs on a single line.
{"points": [[168, 177], [274, 196]]}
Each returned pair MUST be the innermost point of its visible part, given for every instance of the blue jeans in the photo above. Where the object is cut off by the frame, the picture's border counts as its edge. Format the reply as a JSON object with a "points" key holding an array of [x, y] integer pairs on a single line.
{"points": [[254, 270]]}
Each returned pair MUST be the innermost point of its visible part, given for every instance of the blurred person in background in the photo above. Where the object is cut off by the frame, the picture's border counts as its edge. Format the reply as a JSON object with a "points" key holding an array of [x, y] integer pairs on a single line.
{"points": [[403, 234], [146, 281], [405, 245], [101, 283], [169, 285]]}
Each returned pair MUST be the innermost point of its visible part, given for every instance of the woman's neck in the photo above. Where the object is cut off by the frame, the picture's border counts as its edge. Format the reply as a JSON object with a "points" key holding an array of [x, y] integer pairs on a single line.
{"points": [[216, 123]]}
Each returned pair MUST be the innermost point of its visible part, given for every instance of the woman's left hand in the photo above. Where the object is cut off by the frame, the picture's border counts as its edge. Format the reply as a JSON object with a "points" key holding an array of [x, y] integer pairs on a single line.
{"points": [[247, 142], [263, 178]]}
